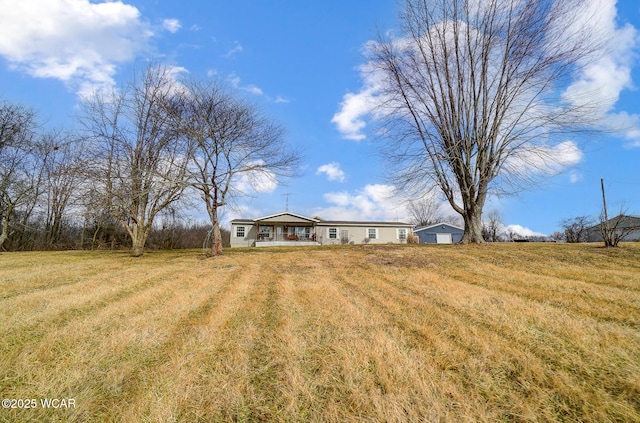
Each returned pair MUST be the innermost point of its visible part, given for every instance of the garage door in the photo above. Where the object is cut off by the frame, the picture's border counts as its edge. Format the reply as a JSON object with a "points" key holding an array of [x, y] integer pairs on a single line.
{"points": [[443, 238]]}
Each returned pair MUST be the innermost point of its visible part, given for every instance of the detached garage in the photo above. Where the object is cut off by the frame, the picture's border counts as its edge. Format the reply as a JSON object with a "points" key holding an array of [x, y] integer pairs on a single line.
{"points": [[440, 233]]}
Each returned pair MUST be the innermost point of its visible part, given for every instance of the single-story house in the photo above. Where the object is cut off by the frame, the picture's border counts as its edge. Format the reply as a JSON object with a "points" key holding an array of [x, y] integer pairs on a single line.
{"points": [[629, 226], [286, 228], [440, 233]]}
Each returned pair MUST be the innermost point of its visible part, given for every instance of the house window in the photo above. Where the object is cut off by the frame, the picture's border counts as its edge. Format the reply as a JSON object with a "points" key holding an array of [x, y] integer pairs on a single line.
{"points": [[240, 232], [402, 234], [372, 233], [333, 233]]}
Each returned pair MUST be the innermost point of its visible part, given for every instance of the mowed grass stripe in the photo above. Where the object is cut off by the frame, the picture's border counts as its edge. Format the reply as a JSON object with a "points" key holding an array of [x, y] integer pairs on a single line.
{"points": [[119, 340], [366, 365], [589, 263], [555, 336], [168, 333], [59, 270], [319, 357], [463, 325], [193, 375], [428, 337], [604, 303], [28, 319], [235, 373]]}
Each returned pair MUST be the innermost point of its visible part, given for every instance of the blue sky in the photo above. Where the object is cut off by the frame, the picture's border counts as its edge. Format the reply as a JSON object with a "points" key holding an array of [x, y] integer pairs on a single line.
{"points": [[299, 61]]}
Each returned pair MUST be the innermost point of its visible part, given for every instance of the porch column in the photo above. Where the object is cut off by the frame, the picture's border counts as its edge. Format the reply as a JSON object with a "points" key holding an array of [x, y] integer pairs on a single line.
{"points": [[257, 232]]}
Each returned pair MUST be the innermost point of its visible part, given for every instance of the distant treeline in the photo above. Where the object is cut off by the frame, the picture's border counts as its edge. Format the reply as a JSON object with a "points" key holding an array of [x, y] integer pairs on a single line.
{"points": [[34, 235]]}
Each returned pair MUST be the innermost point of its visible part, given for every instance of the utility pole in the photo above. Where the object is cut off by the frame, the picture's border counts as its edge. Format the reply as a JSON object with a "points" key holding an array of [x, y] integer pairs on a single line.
{"points": [[604, 201], [605, 224]]}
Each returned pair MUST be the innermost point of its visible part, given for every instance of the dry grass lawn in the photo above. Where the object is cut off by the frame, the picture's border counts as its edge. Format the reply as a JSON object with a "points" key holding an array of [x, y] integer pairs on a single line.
{"points": [[511, 332]]}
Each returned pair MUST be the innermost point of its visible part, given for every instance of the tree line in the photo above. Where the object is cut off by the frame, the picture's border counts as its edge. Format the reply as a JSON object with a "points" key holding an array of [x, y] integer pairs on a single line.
{"points": [[140, 155]]}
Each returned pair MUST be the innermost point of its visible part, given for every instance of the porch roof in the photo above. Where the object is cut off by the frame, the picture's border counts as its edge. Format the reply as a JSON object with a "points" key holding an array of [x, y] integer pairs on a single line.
{"points": [[282, 217]]}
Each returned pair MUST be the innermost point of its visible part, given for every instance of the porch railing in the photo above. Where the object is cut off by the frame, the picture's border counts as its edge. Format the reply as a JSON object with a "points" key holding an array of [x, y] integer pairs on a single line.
{"points": [[266, 237]]}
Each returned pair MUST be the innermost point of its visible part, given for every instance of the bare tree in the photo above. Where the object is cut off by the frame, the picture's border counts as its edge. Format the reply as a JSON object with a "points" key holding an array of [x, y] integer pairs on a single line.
{"points": [[470, 98], [61, 179], [100, 229], [424, 211], [576, 229], [18, 174], [140, 163], [492, 227], [557, 236], [618, 228], [232, 141]]}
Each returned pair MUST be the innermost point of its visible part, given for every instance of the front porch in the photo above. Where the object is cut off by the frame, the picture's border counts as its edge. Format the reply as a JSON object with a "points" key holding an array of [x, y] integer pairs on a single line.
{"points": [[280, 235]]}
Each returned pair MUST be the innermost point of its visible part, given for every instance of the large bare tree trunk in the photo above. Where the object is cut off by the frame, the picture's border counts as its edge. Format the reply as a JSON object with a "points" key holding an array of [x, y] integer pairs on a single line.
{"points": [[138, 247], [216, 242], [216, 245], [5, 229], [138, 239], [472, 227]]}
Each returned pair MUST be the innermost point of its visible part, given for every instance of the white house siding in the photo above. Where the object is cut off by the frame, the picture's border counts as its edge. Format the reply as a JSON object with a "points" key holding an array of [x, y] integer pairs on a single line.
{"points": [[249, 234], [358, 233]]}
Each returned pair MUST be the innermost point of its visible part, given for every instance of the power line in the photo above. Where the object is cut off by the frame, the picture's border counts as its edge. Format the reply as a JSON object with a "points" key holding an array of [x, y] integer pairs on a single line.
{"points": [[622, 182]]}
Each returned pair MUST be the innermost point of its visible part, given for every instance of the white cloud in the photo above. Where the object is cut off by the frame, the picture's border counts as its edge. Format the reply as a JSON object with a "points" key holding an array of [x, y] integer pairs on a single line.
{"points": [[280, 99], [574, 177], [237, 49], [373, 202], [350, 119], [607, 73], [171, 25], [234, 80], [522, 231], [75, 41], [261, 181], [252, 89], [626, 124], [544, 159], [604, 76], [332, 170]]}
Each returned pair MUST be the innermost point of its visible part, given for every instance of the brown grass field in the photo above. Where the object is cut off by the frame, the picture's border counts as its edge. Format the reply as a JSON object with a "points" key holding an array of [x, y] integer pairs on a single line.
{"points": [[508, 332]]}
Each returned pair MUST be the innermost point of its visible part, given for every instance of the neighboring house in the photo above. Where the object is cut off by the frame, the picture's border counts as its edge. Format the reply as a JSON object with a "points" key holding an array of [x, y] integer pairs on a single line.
{"points": [[629, 226], [288, 228], [440, 233]]}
